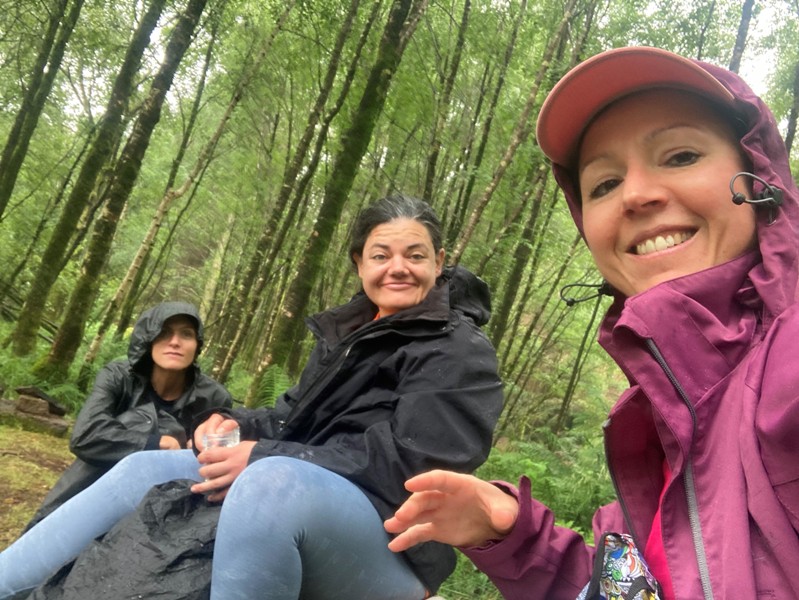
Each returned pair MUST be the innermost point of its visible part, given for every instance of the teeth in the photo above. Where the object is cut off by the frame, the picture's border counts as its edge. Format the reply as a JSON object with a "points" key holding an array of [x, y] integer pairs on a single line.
{"points": [[660, 243]]}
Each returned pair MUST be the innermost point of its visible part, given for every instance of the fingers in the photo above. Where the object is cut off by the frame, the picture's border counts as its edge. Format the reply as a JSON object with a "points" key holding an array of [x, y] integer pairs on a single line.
{"points": [[167, 442], [411, 537], [210, 424], [417, 505], [220, 468], [227, 425]]}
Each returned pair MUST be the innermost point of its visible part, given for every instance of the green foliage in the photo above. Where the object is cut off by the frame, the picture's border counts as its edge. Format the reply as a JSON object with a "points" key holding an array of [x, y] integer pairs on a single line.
{"points": [[567, 473], [274, 381]]}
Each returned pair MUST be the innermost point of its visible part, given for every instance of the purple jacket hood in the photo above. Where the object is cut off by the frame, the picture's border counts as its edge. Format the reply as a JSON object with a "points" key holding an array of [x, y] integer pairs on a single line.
{"points": [[707, 430], [775, 278]]}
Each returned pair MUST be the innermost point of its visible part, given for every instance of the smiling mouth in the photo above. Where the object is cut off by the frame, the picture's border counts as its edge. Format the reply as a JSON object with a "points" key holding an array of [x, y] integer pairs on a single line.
{"points": [[661, 242]]}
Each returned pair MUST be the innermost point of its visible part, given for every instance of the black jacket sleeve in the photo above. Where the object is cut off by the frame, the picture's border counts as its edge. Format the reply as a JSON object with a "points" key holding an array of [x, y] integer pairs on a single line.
{"points": [[113, 424], [441, 414], [108, 427]]}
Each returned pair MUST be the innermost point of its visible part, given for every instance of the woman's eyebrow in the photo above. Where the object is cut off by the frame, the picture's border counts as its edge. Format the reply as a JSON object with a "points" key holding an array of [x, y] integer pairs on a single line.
{"points": [[654, 134]]}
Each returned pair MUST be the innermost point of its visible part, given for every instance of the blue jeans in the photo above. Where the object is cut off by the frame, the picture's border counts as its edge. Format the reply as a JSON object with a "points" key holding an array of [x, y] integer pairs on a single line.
{"points": [[288, 529]]}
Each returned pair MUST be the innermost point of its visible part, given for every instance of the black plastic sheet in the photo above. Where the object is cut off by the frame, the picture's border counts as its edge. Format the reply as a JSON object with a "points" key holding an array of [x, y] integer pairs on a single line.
{"points": [[162, 550]]}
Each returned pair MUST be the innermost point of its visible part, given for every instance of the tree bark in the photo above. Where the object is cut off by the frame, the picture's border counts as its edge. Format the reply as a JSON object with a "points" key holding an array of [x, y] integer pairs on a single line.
{"points": [[23, 338], [259, 269], [521, 258], [793, 114], [444, 103], [401, 24], [743, 32], [70, 334], [127, 286], [48, 62], [520, 133]]}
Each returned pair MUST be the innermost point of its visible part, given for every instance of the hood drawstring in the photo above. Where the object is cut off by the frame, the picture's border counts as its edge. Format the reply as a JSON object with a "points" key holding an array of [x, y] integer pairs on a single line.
{"points": [[600, 289], [770, 197]]}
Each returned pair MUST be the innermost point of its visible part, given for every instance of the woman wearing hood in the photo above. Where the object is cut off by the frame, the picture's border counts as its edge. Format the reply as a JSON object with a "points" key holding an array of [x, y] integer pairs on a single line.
{"points": [[401, 380], [147, 402], [678, 179]]}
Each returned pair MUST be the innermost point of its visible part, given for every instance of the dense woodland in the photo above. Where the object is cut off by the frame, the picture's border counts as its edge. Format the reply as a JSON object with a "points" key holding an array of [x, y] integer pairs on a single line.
{"points": [[217, 150]]}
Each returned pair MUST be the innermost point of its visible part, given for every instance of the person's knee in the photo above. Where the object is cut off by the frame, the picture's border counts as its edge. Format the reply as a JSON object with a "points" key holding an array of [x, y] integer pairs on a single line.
{"points": [[280, 487]]}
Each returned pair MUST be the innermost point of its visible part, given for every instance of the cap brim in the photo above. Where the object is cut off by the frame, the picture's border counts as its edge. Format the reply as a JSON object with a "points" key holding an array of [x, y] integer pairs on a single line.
{"points": [[595, 83]]}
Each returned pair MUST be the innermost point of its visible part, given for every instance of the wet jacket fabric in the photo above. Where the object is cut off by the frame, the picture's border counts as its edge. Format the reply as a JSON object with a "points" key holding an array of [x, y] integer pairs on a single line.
{"points": [[119, 418], [382, 400], [716, 395]]}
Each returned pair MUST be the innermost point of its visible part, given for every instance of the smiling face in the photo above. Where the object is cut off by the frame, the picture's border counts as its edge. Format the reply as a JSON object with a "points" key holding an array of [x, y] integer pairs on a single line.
{"points": [[399, 265], [654, 173], [175, 347]]}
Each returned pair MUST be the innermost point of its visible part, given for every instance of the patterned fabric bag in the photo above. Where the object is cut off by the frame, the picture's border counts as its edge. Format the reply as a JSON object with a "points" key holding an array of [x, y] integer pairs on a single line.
{"points": [[620, 572]]}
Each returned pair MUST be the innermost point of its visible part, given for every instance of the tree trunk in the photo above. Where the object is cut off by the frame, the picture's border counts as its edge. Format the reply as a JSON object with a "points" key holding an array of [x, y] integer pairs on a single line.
{"points": [[577, 369], [793, 115], [700, 44], [126, 287], [70, 334], [743, 32], [401, 24], [259, 269], [443, 105], [521, 258], [454, 222], [520, 133], [48, 62], [23, 338]]}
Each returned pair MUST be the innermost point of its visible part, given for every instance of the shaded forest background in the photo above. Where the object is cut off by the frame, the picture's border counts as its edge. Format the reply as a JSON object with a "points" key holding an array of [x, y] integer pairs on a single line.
{"points": [[216, 151]]}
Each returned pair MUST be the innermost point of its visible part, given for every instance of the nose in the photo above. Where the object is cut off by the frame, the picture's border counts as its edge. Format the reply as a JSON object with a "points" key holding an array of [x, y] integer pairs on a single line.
{"points": [[398, 266], [641, 191]]}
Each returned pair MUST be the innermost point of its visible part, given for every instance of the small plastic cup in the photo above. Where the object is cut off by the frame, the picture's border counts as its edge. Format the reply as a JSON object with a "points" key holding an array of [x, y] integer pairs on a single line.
{"points": [[222, 440]]}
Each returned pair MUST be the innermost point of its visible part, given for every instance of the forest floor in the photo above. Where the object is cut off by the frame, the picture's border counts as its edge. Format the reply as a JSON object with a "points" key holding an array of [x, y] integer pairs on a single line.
{"points": [[30, 464]]}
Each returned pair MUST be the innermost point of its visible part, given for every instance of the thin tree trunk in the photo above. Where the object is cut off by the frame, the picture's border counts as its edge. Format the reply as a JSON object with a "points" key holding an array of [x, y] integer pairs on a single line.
{"points": [[401, 24], [126, 287], [48, 63], [577, 369], [793, 115], [456, 219], [700, 44], [743, 32], [541, 304], [444, 104], [250, 287], [520, 133], [123, 179], [23, 337], [521, 258]]}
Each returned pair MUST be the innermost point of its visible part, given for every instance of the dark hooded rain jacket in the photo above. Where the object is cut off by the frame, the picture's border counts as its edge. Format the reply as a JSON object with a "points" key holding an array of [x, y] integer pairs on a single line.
{"points": [[118, 418]]}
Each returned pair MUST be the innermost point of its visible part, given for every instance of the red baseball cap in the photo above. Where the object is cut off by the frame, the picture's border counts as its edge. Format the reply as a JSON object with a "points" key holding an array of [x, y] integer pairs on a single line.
{"points": [[602, 79]]}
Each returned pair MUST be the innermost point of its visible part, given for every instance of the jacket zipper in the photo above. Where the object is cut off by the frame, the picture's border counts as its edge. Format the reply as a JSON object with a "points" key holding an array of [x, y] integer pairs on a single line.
{"points": [[330, 372], [688, 479]]}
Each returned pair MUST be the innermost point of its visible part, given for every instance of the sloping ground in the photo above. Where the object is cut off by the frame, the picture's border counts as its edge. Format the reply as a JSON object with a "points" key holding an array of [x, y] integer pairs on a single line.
{"points": [[30, 464]]}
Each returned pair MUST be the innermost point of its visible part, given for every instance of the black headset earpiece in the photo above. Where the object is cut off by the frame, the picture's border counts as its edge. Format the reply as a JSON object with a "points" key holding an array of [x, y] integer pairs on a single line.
{"points": [[770, 197]]}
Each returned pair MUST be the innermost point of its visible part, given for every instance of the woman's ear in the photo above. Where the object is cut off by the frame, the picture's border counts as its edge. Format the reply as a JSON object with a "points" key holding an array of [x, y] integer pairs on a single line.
{"points": [[440, 261]]}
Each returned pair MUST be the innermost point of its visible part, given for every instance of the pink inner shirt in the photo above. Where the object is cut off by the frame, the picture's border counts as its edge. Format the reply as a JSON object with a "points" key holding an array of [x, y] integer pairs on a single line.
{"points": [[655, 553]]}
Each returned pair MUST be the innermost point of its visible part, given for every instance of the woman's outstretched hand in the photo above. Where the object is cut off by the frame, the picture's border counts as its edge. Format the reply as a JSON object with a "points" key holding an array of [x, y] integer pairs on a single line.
{"points": [[452, 508]]}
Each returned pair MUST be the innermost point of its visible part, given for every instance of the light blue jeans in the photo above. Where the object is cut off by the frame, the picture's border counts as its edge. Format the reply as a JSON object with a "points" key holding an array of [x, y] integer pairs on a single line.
{"points": [[288, 529]]}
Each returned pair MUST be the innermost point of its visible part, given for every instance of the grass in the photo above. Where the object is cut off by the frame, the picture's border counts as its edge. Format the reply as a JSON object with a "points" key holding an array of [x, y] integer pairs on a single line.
{"points": [[30, 464]]}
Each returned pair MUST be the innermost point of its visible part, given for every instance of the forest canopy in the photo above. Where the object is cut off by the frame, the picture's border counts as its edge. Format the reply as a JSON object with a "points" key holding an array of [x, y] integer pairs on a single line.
{"points": [[216, 151]]}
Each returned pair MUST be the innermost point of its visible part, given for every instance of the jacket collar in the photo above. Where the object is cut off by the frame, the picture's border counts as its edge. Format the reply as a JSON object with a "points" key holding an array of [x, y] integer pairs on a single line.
{"points": [[337, 323], [702, 324]]}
